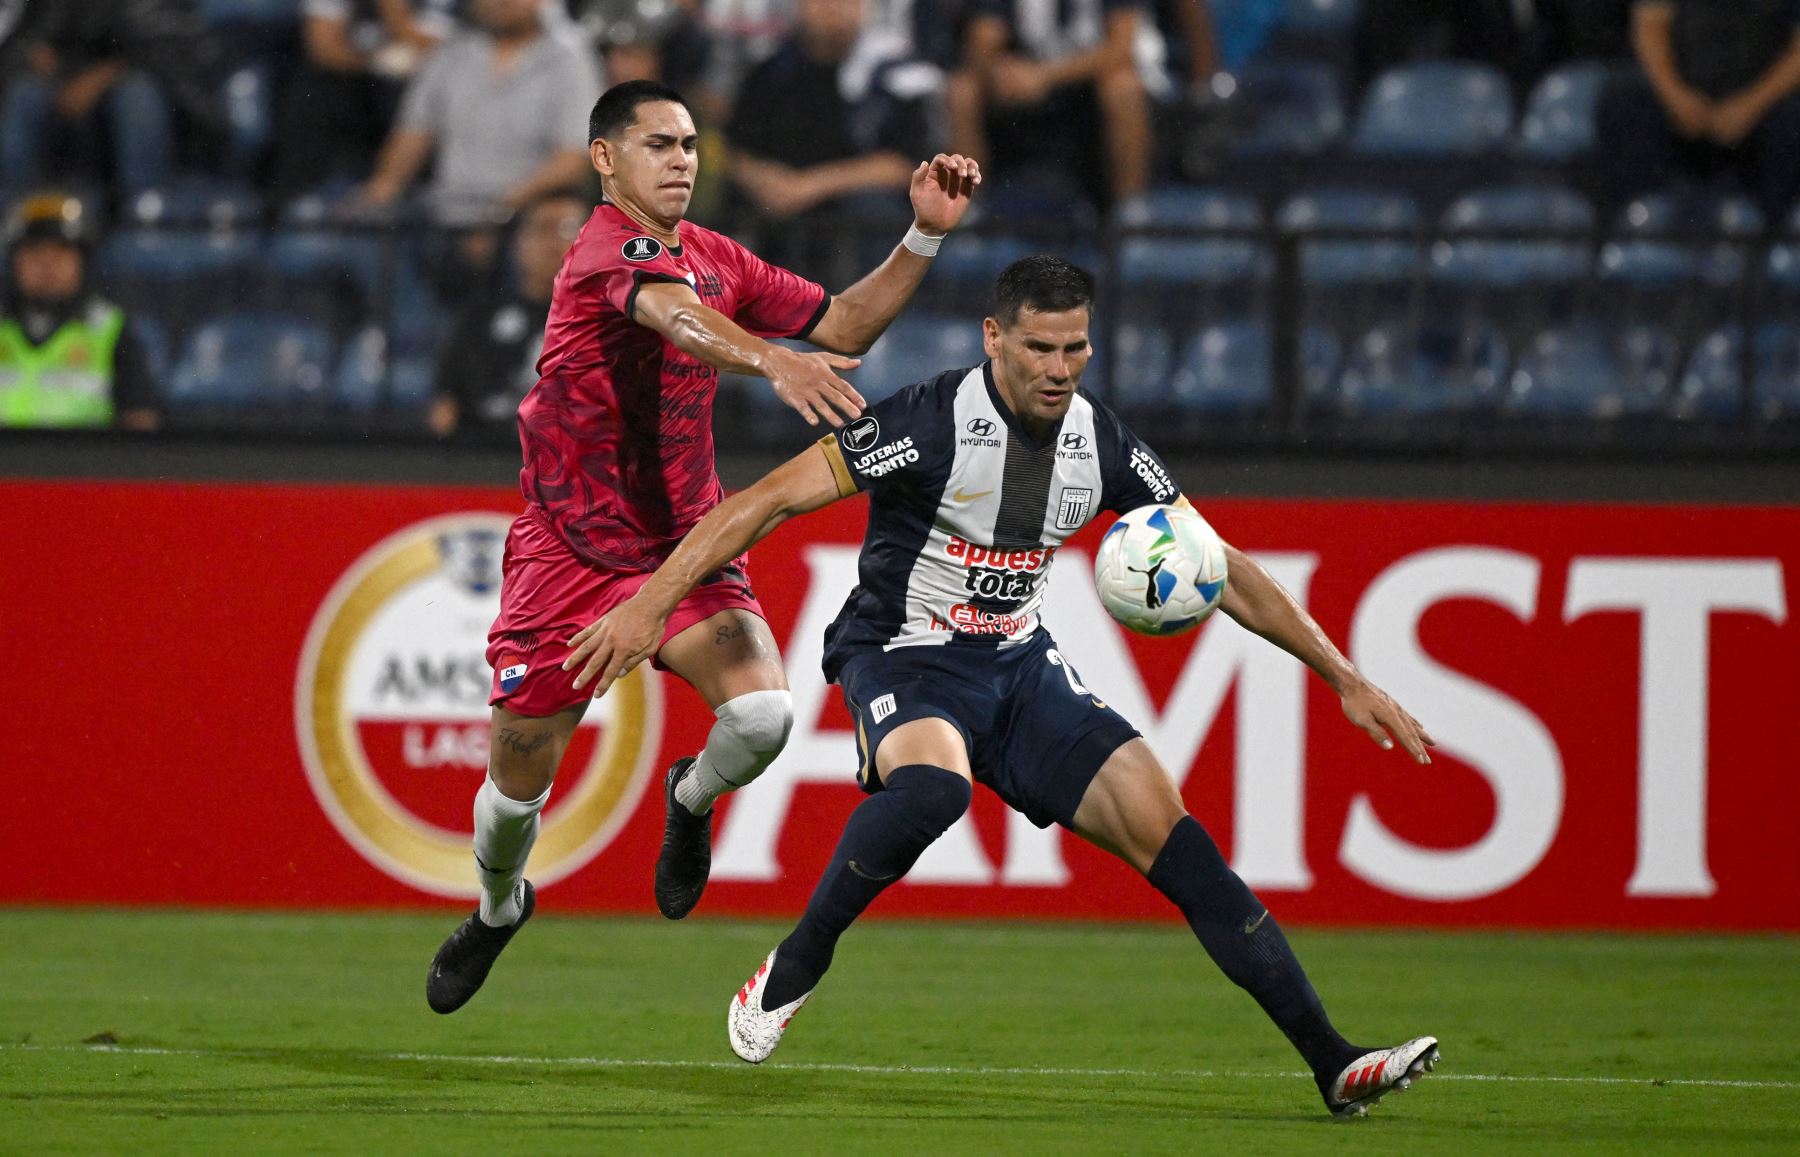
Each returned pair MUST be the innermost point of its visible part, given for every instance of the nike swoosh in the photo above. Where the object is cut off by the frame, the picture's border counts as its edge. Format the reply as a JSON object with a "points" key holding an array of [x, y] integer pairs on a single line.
{"points": [[961, 496], [1252, 925]]}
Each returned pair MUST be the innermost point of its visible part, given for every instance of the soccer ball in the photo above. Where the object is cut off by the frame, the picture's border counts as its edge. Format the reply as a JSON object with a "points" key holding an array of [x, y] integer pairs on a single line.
{"points": [[1160, 570]]}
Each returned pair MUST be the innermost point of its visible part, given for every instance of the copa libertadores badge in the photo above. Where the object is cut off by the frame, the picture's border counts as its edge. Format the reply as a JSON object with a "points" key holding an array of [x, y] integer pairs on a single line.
{"points": [[392, 716]]}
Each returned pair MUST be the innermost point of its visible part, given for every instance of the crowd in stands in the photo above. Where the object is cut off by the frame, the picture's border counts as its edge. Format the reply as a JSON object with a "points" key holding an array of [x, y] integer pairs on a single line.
{"points": [[368, 198]]}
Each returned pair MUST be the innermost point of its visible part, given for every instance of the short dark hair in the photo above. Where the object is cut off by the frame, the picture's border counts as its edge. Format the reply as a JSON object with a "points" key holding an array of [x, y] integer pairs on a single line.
{"points": [[1042, 284], [617, 107]]}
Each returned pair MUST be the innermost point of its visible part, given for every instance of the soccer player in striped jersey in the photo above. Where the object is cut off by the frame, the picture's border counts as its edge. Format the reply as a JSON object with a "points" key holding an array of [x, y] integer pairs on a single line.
{"points": [[976, 478]]}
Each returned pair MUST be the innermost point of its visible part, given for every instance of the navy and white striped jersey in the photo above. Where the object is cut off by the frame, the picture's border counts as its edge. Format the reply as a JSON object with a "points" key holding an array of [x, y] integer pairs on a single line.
{"points": [[967, 510]]}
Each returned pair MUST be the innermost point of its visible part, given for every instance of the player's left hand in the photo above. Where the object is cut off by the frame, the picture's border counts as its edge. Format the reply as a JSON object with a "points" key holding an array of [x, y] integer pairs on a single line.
{"points": [[611, 646], [941, 188], [1385, 721]]}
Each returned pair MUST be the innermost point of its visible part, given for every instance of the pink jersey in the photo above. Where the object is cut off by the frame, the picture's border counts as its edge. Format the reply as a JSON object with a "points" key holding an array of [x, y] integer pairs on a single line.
{"points": [[617, 433]]}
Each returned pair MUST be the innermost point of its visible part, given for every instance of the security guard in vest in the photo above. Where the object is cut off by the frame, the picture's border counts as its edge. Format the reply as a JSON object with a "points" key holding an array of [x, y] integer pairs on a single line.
{"points": [[66, 357]]}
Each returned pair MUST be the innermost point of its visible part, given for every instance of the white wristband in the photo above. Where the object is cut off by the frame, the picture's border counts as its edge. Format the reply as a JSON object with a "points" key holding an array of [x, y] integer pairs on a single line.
{"points": [[924, 244]]}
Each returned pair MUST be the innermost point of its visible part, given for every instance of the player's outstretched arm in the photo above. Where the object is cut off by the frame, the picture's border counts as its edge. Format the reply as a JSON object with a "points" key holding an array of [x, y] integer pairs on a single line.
{"points": [[631, 632], [1262, 605], [940, 192], [808, 382]]}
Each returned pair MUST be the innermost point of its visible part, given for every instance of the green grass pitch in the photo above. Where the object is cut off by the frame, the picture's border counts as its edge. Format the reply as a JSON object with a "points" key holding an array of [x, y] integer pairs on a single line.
{"points": [[309, 1034]]}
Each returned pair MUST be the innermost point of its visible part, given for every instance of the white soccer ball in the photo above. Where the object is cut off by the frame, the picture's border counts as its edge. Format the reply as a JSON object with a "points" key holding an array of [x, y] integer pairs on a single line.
{"points": [[1160, 570]]}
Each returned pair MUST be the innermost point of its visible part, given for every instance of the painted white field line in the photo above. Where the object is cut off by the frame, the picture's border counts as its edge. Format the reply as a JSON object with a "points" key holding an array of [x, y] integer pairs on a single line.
{"points": [[894, 1070]]}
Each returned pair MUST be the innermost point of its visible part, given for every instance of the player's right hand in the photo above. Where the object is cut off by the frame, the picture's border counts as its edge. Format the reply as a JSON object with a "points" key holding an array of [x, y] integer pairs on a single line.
{"points": [[809, 383], [611, 646]]}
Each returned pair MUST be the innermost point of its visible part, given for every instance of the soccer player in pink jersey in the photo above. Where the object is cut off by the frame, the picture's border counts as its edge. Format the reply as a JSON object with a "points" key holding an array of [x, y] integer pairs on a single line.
{"points": [[618, 467]]}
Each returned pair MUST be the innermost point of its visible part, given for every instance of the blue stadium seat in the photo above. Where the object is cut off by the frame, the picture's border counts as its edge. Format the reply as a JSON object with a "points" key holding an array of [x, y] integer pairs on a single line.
{"points": [[1297, 108], [1165, 260], [153, 335], [196, 200], [1711, 386], [1320, 17], [1435, 109], [1558, 125], [1595, 370], [159, 255], [325, 253], [916, 347], [1495, 263], [1225, 369], [251, 12], [978, 257], [1395, 367], [367, 376], [1638, 257], [253, 360], [1136, 363], [1344, 263]]}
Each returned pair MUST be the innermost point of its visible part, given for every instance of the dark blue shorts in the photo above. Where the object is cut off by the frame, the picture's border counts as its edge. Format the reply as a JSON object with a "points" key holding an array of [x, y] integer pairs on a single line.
{"points": [[1035, 734]]}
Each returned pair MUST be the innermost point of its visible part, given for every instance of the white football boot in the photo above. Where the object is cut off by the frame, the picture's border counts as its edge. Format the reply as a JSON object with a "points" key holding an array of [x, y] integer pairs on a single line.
{"points": [[754, 1031], [1372, 1076]]}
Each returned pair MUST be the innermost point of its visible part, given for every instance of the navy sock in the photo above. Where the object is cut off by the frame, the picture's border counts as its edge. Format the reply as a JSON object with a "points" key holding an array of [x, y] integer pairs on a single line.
{"points": [[1247, 944], [883, 839]]}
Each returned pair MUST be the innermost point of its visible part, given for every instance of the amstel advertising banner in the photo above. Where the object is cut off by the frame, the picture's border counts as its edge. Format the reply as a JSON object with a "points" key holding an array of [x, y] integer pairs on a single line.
{"points": [[275, 695]]}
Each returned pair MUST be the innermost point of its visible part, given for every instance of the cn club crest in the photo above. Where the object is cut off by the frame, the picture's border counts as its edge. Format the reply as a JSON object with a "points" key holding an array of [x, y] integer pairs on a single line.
{"points": [[390, 706], [642, 249]]}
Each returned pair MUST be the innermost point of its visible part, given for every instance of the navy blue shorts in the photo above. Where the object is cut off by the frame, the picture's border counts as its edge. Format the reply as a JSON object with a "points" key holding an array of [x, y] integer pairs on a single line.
{"points": [[1035, 734]]}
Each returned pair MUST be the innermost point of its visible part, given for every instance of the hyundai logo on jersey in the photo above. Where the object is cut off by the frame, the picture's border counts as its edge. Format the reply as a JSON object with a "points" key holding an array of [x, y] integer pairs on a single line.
{"points": [[1074, 441], [511, 676], [980, 427]]}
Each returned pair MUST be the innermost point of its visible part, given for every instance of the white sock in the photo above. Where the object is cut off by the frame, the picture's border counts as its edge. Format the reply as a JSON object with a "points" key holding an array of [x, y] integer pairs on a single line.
{"points": [[505, 829], [750, 732]]}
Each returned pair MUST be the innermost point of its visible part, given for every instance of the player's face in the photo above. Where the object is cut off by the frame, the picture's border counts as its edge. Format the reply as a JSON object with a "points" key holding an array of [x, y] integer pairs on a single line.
{"points": [[1038, 361], [47, 270], [652, 164]]}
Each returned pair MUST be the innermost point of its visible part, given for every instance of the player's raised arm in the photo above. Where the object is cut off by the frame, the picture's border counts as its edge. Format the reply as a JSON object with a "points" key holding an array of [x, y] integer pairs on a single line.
{"points": [[806, 381], [629, 633], [940, 192], [1262, 605]]}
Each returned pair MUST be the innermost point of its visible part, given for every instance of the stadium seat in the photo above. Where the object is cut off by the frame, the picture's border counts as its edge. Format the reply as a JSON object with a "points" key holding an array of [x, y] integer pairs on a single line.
{"points": [[1594, 370], [1343, 263], [165, 255], [1497, 263], [1320, 17], [1225, 369], [978, 257], [1168, 260], [367, 377], [196, 200], [1296, 107], [1397, 367], [918, 346], [1558, 124], [153, 335], [252, 12], [1711, 388], [1136, 363], [1435, 109], [1639, 256], [253, 360], [325, 253]]}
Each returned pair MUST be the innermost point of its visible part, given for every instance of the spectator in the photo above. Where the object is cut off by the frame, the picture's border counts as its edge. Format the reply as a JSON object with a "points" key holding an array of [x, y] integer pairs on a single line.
{"points": [[490, 361], [118, 68], [828, 123], [503, 109], [66, 356], [339, 105], [743, 34], [1056, 83], [1195, 51], [1716, 95], [648, 40]]}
